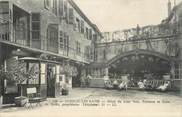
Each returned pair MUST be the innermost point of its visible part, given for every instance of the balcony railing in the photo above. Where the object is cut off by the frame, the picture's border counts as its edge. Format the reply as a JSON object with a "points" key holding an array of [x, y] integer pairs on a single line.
{"points": [[18, 37]]}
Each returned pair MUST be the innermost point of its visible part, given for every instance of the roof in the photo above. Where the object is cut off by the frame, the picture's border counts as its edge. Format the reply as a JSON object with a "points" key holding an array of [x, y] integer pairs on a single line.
{"points": [[37, 60]]}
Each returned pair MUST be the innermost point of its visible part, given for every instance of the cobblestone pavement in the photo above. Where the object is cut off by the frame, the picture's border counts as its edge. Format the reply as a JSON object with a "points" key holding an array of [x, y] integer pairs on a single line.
{"points": [[117, 102]]}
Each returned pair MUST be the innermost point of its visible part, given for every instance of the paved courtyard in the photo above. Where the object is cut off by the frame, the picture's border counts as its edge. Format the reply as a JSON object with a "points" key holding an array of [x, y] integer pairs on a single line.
{"points": [[103, 103]]}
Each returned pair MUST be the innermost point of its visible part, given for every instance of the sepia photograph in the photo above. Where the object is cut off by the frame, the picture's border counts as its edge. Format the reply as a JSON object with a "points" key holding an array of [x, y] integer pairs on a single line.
{"points": [[91, 58]]}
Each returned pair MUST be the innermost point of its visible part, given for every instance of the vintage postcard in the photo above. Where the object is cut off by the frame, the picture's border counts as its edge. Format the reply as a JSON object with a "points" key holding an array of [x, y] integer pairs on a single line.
{"points": [[91, 58]]}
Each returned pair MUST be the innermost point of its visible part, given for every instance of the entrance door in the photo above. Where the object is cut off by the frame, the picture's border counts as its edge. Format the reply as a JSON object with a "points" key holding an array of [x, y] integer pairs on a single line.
{"points": [[51, 76], [76, 80]]}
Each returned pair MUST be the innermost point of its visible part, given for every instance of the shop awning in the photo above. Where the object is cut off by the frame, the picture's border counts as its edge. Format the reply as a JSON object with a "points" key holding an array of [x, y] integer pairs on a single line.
{"points": [[32, 59]]}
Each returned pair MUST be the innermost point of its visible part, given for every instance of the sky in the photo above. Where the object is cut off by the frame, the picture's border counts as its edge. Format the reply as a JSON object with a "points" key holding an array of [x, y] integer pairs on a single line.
{"points": [[112, 15]]}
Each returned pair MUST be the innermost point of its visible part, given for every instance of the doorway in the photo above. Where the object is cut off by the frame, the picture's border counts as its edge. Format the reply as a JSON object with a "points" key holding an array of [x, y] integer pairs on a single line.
{"points": [[51, 77]]}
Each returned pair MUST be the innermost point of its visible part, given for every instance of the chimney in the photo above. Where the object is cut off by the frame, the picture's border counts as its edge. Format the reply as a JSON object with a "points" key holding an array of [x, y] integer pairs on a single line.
{"points": [[169, 8]]}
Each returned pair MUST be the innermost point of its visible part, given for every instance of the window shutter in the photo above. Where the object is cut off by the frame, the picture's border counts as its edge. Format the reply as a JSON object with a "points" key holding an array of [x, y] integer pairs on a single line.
{"points": [[78, 25], [35, 26], [95, 37], [90, 34], [65, 41], [82, 26], [75, 27], [61, 40], [47, 4], [71, 16], [61, 8], [66, 11], [55, 7], [87, 33]]}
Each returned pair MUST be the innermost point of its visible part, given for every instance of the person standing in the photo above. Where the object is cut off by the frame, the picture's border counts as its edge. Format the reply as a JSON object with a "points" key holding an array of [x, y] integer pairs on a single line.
{"points": [[88, 80]]}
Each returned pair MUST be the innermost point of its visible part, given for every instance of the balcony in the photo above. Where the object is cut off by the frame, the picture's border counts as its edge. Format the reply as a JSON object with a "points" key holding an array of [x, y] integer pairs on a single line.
{"points": [[22, 29], [14, 24]]}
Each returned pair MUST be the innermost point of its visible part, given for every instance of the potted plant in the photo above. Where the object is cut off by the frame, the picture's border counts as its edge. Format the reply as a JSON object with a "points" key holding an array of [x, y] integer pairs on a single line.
{"points": [[65, 89], [19, 74], [21, 101]]}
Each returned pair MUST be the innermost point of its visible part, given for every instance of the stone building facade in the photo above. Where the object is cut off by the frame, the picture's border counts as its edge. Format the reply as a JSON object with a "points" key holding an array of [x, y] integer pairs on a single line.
{"points": [[53, 36]]}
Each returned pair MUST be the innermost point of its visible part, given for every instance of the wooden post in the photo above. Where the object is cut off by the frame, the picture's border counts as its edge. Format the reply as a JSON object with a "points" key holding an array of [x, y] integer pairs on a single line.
{"points": [[1, 101], [173, 70], [1, 87]]}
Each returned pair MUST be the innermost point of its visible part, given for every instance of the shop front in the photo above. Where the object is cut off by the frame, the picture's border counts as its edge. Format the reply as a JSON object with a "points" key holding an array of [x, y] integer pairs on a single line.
{"points": [[48, 84], [49, 77]]}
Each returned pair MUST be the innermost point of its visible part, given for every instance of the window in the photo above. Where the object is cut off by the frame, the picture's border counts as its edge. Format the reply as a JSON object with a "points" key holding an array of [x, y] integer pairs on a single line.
{"points": [[134, 45], [36, 70], [43, 73], [82, 26], [52, 38], [61, 40], [91, 53], [66, 43], [78, 24], [71, 16], [36, 17], [116, 49], [95, 55], [87, 33], [156, 44], [35, 35], [126, 48], [61, 8], [90, 34], [54, 9], [35, 26], [104, 54], [66, 11], [95, 37], [47, 4], [78, 49], [87, 52]]}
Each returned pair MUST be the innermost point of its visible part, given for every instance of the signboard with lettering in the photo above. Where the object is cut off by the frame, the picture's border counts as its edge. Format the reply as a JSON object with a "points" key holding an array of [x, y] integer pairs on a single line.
{"points": [[31, 90]]}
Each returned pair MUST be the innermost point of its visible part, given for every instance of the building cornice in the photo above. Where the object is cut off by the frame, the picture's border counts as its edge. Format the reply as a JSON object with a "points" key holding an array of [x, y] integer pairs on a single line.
{"points": [[75, 6]]}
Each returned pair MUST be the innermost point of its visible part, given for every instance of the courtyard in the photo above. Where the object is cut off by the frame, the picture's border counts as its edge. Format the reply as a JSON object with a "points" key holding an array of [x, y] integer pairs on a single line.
{"points": [[102, 102]]}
